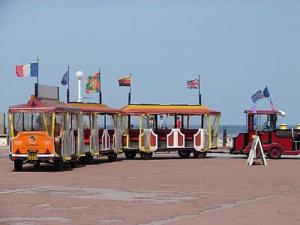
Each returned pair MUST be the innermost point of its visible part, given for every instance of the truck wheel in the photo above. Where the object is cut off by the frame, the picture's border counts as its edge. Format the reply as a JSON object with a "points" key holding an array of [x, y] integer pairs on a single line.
{"points": [[59, 165], [184, 153], [18, 165], [146, 155], [274, 153], [130, 155], [112, 157], [199, 154]]}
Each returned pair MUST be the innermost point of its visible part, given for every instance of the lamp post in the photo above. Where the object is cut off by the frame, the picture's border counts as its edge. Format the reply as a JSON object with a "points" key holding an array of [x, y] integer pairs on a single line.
{"points": [[79, 75]]}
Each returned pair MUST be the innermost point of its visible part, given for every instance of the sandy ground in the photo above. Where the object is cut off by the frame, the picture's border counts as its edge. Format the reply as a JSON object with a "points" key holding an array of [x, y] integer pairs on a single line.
{"points": [[220, 189]]}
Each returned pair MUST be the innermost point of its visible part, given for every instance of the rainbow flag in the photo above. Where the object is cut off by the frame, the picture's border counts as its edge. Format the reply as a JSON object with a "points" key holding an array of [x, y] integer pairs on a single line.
{"points": [[93, 84], [125, 81]]}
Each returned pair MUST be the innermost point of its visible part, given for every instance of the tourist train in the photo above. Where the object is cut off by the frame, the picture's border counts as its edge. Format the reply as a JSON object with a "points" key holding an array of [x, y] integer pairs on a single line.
{"points": [[46, 130]]}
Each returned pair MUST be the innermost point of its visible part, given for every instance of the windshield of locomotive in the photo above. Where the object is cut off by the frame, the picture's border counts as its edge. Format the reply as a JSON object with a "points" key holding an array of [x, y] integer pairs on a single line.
{"points": [[32, 121]]}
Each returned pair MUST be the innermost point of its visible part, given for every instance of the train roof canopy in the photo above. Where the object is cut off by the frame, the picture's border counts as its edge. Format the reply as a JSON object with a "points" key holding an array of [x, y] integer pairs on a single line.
{"points": [[168, 109], [94, 107], [38, 105], [263, 112]]}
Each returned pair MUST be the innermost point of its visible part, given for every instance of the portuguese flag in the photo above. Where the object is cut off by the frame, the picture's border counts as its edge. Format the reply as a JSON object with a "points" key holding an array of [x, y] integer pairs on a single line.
{"points": [[93, 84], [125, 81]]}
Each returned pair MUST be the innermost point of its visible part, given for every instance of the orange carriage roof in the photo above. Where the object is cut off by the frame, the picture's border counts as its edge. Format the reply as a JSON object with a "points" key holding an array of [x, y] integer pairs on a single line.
{"points": [[168, 109], [94, 107], [38, 105]]}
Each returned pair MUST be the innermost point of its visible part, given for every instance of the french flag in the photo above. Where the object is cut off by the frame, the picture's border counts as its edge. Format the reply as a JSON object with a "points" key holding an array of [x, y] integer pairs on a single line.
{"points": [[28, 70]]}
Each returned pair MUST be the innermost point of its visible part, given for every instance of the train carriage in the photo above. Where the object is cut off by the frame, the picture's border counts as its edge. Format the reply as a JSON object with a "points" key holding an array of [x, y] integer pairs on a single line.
{"points": [[41, 131], [145, 134], [100, 131]]}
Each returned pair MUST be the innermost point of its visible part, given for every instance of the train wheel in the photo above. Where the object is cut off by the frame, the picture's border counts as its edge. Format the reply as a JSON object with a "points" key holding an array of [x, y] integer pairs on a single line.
{"points": [[18, 165], [184, 153], [73, 163], [89, 159], [146, 155], [59, 165], [82, 160], [274, 153], [112, 157], [37, 164], [199, 154], [130, 155]]}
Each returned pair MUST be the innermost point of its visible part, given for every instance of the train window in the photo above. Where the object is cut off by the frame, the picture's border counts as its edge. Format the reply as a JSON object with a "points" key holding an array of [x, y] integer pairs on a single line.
{"points": [[59, 120], [134, 122], [262, 123], [74, 122], [32, 121], [18, 121], [105, 122], [86, 122], [191, 122], [109, 122]]}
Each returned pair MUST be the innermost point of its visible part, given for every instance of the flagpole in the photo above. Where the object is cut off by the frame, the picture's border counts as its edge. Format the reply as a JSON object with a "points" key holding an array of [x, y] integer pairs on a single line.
{"points": [[37, 78], [200, 101], [199, 93], [68, 90], [129, 94], [100, 92]]}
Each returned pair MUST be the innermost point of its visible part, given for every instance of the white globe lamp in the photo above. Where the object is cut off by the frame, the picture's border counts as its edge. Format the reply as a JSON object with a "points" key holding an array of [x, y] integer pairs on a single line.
{"points": [[79, 76]]}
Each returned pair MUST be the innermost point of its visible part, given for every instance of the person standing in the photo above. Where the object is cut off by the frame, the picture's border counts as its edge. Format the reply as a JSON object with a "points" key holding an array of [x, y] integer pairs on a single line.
{"points": [[162, 122], [178, 122]]}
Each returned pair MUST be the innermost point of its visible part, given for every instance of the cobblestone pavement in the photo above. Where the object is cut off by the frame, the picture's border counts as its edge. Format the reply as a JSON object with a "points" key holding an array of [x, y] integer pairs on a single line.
{"points": [[220, 189]]}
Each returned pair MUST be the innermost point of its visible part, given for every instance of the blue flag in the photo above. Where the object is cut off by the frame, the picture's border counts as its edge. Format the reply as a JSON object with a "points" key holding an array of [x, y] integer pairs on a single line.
{"points": [[266, 92], [258, 95], [65, 78]]}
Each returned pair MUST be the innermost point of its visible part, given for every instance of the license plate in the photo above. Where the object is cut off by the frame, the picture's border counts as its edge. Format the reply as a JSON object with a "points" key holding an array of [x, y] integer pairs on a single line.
{"points": [[32, 156]]}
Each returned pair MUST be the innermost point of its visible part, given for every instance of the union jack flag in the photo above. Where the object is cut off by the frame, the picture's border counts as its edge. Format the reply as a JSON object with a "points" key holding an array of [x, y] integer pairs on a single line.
{"points": [[193, 84]]}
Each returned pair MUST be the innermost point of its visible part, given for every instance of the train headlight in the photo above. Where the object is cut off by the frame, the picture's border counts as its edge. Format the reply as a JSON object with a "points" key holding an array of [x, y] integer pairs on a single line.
{"points": [[281, 113]]}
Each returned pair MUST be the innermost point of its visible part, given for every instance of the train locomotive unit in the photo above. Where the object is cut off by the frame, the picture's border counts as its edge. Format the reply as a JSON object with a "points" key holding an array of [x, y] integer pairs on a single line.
{"points": [[41, 132], [276, 141]]}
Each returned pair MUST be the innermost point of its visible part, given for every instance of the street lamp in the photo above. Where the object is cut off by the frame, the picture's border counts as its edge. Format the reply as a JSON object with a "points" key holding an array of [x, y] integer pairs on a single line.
{"points": [[79, 75]]}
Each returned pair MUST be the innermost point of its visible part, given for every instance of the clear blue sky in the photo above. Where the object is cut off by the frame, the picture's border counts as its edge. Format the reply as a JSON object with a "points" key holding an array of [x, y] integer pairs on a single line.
{"points": [[237, 46]]}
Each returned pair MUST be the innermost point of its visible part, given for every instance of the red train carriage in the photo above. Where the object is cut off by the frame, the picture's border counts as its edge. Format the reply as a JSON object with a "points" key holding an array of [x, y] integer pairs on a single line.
{"points": [[275, 142], [183, 128], [41, 131], [99, 131]]}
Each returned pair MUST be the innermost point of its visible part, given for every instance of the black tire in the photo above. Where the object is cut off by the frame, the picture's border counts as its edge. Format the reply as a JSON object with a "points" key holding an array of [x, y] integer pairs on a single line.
{"points": [[130, 155], [198, 154], [112, 157], [274, 153], [146, 155], [184, 153], [89, 159], [73, 163], [18, 165], [37, 164], [59, 165], [82, 160]]}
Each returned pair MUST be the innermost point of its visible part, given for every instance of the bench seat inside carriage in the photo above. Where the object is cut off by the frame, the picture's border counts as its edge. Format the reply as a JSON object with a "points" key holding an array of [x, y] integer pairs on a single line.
{"points": [[87, 134], [162, 134]]}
